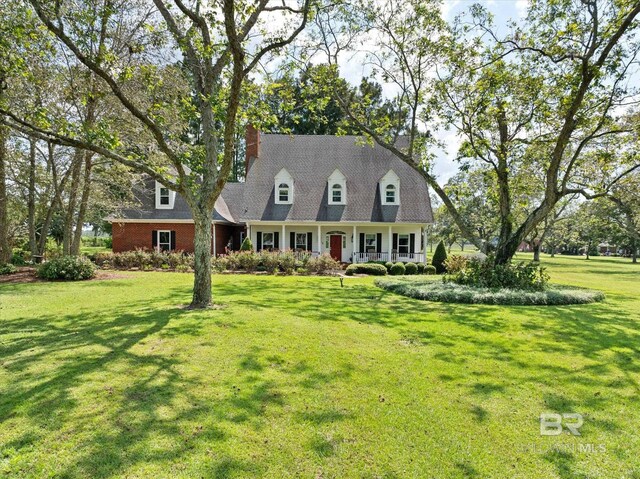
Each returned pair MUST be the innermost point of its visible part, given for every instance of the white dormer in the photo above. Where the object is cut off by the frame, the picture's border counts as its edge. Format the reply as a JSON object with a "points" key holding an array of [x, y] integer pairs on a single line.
{"points": [[337, 184], [165, 198], [390, 189], [284, 188]]}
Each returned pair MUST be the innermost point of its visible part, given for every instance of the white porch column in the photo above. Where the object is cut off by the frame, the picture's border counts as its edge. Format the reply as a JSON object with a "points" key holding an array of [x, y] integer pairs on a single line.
{"points": [[390, 244], [353, 245], [319, 239], [215, 250], [424, 232], [284, 239]]}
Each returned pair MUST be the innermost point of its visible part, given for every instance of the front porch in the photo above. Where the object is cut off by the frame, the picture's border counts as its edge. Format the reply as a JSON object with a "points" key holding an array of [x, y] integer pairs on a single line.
{"points": [[345, 242], [393, 257]]}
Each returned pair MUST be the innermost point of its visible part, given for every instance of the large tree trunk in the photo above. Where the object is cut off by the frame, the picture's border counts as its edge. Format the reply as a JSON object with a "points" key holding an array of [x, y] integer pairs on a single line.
{"points": [[202, 260], [84, 201], [5, 249], [507, 249], [76, 169], [31, 198]]}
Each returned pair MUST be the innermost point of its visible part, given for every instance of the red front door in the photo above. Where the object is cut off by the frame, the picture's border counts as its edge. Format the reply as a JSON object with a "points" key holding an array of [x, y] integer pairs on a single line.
{"points": [[336, 247]]}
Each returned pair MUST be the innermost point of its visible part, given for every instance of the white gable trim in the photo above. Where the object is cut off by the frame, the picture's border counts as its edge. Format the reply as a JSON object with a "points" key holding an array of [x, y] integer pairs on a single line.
{"points": [[339, 182], [391, 181], [283, 178]]}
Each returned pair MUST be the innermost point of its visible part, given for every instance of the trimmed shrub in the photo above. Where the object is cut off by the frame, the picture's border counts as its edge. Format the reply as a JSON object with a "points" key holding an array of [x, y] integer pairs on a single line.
{"points": [[366, 268], [455, 263], [287, 262], [397, 269], [323, 264], [70, 268], [219, 264], [439, 257], [7, 268], [388, 265], [420, 268], [430, 269], [269, 261], [246, 260], [411, 268], [142, 259], [456, 293], [246, 245]]}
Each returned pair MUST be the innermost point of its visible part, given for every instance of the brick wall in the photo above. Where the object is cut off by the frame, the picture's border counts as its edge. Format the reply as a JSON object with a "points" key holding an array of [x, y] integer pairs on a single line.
{"points": [[129, 236]]}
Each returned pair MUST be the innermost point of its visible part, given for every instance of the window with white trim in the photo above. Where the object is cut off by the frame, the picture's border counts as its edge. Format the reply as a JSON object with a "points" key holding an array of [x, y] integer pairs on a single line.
{"points": [[403, 244], [390, 195], [336, 193], [165, 198], [267, 240], [164, 240], [283, 193], [301, 241], [370, 242]]}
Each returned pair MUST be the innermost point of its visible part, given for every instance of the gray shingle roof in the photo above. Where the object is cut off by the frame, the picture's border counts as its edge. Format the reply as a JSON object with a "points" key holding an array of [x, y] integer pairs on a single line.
{"points": [[146, 204], [310, 160]]}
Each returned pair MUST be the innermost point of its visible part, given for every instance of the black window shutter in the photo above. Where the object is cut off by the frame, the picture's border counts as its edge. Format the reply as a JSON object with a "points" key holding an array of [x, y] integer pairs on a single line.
{"points": [[259, 241], [395, 242], [276, 240], [292, 240], [154, 238], [309, 241], [412, 243], [379, 243], [173, 241], [362, 243]]}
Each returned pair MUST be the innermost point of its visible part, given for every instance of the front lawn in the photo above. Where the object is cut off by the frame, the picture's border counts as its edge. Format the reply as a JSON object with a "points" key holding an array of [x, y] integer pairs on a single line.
{"points": [[298, 377]]}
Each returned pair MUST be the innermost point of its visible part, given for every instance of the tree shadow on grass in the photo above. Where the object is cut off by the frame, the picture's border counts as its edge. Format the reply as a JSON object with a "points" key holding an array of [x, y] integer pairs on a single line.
{"points": [[63, 368]]}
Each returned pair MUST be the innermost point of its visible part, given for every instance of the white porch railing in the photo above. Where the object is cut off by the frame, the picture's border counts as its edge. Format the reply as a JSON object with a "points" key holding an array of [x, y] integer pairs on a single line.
{"points": [[393, 257]]}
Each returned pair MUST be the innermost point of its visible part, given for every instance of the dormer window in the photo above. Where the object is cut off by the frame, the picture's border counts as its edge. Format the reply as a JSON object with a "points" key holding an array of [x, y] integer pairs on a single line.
{"points": [[165, 198], [283, 193], [337, 186], [283, 188], [390, 189], [390, 195], [336, 193]]}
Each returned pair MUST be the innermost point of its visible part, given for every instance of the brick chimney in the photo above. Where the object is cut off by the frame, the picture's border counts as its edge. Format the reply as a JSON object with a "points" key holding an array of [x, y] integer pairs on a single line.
{"points": [[252, 149]]}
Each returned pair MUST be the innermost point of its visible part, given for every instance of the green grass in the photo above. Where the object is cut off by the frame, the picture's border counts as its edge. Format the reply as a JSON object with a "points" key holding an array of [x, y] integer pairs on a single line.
{"points": [[94, 249], [298, 377]]}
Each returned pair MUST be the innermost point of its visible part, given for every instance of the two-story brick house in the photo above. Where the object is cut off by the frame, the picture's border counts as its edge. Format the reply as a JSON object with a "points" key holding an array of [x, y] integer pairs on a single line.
{"points": [[304, 193]]}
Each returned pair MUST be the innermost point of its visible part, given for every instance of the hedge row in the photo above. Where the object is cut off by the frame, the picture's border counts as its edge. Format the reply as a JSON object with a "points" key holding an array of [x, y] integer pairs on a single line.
{"points": [[277, 261], [456, 293]]}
